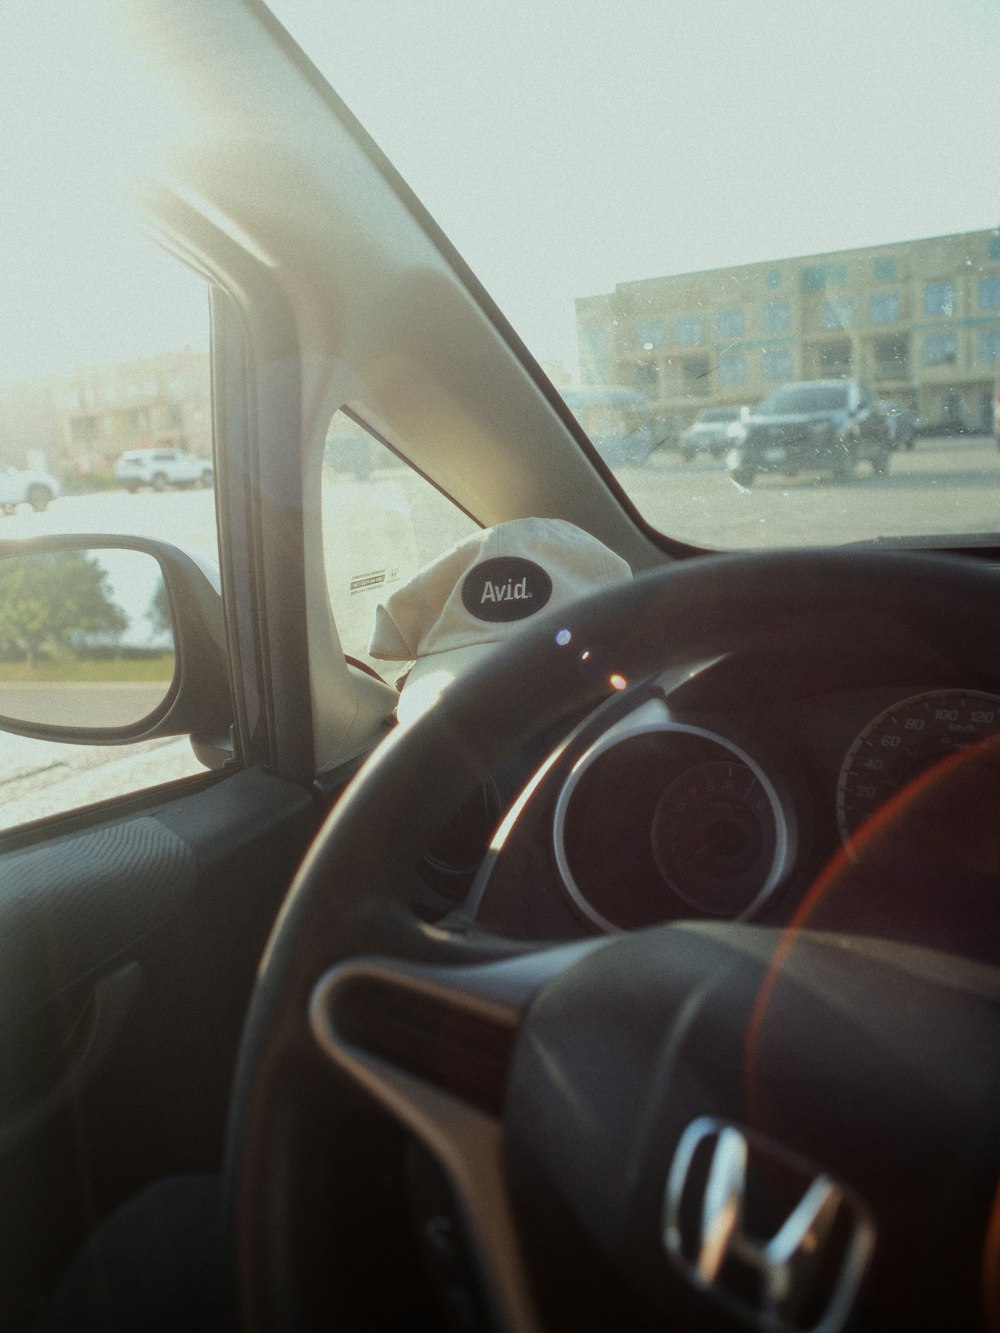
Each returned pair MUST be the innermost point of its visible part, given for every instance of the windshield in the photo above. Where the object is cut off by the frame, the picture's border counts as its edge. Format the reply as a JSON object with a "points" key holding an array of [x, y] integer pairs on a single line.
{"points": [[694, 203], [803, 398]]}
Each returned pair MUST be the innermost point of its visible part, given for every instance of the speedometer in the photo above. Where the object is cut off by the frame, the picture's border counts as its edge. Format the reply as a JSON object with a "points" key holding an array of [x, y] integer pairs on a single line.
{"points": [[908, 738]]}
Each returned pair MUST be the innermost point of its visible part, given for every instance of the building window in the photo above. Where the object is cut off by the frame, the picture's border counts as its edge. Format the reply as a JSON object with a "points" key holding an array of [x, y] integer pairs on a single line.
{"points": [[953, 410], [595, 365], [86, 428], [777, 363], [883, 308], [690, 330], [989, 344], [733, 368], [647, 377], [835, 358], [839, 313], [595, 338], [651, 334], [989, 292], [939, 297], [892, 356], [993, 246], [817, 276], [729, 323], [696, 373], [940, 349], [885, 268], [773, 279], [775, 317]]}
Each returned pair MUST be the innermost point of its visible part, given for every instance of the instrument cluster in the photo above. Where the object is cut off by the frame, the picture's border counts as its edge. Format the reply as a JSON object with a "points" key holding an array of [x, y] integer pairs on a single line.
{"points": [[667, 815]]}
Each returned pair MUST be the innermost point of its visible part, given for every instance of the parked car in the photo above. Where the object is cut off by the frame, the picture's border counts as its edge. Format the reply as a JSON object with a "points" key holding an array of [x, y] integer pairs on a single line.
{"points": [[649, 978], [903, 426], [160, 468], [616, 420], [708, 433], [24, 486], [817, 425]]}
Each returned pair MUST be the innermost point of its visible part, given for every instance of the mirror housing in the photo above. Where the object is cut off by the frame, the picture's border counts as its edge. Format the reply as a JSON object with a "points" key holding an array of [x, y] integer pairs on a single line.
{"points": [[198, 701]]}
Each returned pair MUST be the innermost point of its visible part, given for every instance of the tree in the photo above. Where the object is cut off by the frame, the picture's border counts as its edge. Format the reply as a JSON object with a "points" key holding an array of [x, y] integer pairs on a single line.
{"points": [[48, 601], [159, 614]]}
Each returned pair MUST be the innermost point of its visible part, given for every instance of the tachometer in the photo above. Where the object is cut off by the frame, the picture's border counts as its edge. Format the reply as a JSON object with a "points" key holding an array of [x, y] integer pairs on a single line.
{"points": [[713, 836], [904, 741], [661, 819]]}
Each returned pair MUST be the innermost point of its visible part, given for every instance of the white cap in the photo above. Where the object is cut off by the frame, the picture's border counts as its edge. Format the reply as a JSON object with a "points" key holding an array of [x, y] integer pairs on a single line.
{"points": [[481, 592]]}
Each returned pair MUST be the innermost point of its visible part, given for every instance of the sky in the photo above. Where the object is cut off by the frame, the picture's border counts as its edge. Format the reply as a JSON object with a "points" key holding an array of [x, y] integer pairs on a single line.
{"points": [[79, 284], [563, 148]]}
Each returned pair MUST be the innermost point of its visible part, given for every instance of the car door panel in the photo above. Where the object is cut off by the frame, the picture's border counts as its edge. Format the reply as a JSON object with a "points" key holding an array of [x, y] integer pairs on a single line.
{"points": [[127, 953]]}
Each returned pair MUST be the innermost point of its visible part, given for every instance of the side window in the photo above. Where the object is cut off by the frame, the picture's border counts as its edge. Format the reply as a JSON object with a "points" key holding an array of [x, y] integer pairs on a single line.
{"points": [[110, 358], [381, 522]]}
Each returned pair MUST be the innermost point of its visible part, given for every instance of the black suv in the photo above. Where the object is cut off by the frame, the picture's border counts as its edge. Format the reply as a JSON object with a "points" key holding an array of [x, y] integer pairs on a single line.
{"points": [[820, 425]]}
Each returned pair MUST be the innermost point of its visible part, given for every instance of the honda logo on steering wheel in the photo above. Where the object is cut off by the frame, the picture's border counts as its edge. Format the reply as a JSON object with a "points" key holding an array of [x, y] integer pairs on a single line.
{"points": [[771, 1237]]}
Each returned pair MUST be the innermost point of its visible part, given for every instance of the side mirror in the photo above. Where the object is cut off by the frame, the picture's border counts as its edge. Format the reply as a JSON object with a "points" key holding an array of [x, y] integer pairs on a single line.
{"points": [[107, 640]]}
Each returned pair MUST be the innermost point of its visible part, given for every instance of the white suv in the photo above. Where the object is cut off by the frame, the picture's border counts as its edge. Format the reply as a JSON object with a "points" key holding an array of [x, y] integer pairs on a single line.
{"points": [[18, 486], [161, 468]]}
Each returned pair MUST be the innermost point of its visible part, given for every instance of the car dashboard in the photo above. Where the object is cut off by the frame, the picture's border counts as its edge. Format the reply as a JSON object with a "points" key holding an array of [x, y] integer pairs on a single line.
{"points": [[774, 787]]}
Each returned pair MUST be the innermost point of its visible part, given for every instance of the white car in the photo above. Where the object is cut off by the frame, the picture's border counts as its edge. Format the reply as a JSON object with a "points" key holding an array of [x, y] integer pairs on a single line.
{"points": [[161, 468], [707, 433], [22, 486]]}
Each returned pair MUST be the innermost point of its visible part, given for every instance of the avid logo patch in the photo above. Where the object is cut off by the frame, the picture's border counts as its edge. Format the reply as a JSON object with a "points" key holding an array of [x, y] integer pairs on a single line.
{"points": [[506, 588]]}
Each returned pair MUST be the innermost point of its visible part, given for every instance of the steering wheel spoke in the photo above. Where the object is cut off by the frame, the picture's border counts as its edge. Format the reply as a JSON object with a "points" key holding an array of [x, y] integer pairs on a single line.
{"points": [[432, 1047]]}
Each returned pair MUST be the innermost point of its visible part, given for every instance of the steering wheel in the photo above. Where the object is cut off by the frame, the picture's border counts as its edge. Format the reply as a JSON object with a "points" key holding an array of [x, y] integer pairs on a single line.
{"points": [[701, 1125]]}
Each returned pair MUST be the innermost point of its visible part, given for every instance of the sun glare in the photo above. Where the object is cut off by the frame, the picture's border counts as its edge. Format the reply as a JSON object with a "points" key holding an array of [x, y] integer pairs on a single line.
{"points": [[80, 128]]}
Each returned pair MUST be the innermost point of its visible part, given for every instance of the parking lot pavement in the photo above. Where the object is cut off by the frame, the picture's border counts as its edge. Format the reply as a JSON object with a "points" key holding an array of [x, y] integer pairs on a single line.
{"points": [[944, 487], [185, 518]]}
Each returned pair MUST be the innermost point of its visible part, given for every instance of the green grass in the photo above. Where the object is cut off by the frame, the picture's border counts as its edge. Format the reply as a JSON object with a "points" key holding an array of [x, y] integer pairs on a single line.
{"points": [[90, 670]]}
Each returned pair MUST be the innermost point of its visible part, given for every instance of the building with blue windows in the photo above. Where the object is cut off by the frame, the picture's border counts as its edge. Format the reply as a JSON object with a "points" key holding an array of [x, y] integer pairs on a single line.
{"points": [[919, 320]]}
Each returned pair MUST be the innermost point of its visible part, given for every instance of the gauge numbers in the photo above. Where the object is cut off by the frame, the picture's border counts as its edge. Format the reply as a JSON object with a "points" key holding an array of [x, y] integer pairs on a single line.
{"points": [[905, 740]]}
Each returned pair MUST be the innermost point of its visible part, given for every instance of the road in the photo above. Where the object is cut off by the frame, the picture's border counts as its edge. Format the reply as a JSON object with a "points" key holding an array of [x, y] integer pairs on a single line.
{"points": [[91, 704], [943, 487], [41, 778]]}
